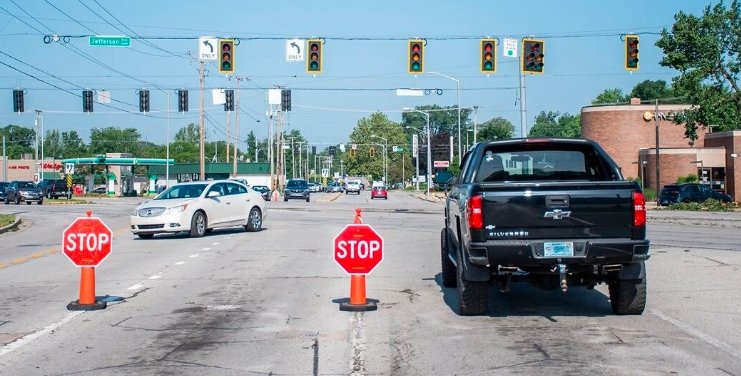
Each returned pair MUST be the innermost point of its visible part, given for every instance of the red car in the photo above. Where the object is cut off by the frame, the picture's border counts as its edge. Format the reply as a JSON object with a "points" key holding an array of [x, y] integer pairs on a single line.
{"points": [[379, 192]]}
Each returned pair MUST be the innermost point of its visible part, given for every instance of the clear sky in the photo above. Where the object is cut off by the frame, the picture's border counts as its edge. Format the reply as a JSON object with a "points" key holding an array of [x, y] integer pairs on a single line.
{"points": [[364, 58]]}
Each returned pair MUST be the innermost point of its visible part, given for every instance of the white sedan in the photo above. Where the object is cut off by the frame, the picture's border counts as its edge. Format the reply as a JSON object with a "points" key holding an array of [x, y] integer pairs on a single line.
{"points": [[198, 208]]}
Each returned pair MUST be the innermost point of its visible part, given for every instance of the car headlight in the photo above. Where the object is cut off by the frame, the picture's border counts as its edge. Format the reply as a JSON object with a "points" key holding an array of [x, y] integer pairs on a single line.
{"points": [[177, 209]]}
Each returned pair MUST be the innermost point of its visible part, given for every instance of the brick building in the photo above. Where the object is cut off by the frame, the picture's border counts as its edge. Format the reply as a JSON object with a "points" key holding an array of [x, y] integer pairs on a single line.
{"points": [[629, 132]]}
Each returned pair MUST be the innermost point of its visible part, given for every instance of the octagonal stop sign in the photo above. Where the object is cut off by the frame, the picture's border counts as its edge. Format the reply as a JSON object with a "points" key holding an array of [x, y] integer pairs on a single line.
{"points": [[87, 241], [358, 249]]}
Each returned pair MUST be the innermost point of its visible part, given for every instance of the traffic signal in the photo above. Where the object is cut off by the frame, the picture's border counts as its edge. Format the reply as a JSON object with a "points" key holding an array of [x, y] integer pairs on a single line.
{"points": [[313, 149], [18, 101], [143, 100], [631, 52], [183, 100], [285, 100], [314, 62], [332, 150], [488, 56], [416, 55], [229, 103], [533, 56], [226, 55], [87, 101], [352, 153]]}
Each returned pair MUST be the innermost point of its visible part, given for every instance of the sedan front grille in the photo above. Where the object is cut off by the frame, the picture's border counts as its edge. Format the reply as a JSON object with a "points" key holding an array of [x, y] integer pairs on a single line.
{"points": [[151, 212], [151, 227]]}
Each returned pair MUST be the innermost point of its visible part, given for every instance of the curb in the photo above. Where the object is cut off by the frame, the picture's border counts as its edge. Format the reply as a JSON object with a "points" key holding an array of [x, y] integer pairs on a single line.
{"points": [[11, 226]]}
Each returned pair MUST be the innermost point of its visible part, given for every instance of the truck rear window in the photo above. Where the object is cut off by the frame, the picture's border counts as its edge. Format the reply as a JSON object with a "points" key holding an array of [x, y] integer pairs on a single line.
{"points": [[542, 162]]}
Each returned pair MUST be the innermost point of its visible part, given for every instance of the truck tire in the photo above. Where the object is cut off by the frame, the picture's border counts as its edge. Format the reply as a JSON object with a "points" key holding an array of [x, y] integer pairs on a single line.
{"points": [[628, 297], [472, 295], [448, 268]]}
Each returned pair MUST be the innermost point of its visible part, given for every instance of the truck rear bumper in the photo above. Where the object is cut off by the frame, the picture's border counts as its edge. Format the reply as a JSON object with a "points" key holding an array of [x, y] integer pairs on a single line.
{"points": [[532, 253]]}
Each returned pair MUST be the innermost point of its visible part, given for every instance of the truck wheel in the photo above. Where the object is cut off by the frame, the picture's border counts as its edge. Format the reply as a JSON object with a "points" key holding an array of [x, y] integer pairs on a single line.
{"points": [[448, 268], [472, 295], [628, 297], [17, 200]]}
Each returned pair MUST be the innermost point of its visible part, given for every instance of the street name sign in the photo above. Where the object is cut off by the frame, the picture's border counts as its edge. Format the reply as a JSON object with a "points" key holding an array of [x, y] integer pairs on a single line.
{"points": [[110, 41]]}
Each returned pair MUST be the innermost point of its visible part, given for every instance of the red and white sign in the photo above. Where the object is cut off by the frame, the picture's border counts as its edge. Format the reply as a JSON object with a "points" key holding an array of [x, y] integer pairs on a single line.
{"points": [[441, 163], [87, 241], [358, 249]]}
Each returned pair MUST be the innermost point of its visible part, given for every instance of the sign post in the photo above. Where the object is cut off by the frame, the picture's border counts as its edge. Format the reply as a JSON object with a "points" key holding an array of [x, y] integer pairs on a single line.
{"points": [[86, 243], [358, 249]]}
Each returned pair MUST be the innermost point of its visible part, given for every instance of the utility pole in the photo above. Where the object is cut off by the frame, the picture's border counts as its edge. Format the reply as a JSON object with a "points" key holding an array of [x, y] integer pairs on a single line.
{"points": [[475, 122], [202, 159], [5, 162], [228, 120], [523, 104], [658, 175], [236, 130], [39, 129]]}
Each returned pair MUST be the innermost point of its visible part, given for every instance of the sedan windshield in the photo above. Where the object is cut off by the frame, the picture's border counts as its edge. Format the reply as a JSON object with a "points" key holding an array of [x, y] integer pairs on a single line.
{"points": [[182, 191]]}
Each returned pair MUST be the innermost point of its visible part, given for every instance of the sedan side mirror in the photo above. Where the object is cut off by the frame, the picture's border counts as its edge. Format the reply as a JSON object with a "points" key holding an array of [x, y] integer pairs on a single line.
{"points": [[213, 194]]}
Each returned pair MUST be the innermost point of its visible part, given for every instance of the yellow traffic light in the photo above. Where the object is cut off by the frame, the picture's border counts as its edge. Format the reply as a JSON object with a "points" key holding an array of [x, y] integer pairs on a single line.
{"points": [[416, 56], [533, 56], [226, 55], [488, 56], [631, 52]]}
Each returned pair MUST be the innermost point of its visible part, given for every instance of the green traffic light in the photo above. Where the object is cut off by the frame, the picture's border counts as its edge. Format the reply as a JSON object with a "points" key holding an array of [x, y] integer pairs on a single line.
{"points": [[415, 66], [488, 65], [314, 65], [226, 66]]}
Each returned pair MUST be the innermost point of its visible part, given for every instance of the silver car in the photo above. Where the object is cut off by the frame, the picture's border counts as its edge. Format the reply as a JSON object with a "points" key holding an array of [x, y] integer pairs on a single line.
{"points": [[198, 208]]}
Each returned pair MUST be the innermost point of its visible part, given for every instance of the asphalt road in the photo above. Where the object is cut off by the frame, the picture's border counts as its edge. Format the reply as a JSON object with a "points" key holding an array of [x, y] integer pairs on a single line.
{"points": [[238, 303]]}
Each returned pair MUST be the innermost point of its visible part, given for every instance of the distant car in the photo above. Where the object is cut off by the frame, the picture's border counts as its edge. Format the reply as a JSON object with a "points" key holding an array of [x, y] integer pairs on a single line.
{"points": [[333, 187], [54, 188], [352, 186], [100, 190], [297, 188], [379, 191], [264, 190], [314, 187], [20, 190], [3, 185], [240, 180], [689, 192], [198, 208]]}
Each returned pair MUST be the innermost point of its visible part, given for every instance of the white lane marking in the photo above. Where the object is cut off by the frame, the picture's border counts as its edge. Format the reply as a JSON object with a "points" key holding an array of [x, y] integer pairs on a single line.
{"points": [[32, 336], [180, 263], [193, 256], [357, 358], [155, 276], [137, 286], [206, 249], [697, 333], [223, 307], [215, 243]]}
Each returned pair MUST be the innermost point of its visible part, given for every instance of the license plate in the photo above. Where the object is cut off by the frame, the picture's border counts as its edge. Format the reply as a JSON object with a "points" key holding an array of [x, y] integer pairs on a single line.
{"points": [[558, 249]]}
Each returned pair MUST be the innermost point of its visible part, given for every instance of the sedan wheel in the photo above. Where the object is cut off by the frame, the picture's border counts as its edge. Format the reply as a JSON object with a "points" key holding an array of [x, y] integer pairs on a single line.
{"points": [[198, 225], [254, 221]]}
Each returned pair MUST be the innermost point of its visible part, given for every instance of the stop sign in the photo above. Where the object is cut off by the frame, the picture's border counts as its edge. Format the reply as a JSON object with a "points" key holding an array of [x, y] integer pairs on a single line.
{"points": [[358, 249], [87, 241]]}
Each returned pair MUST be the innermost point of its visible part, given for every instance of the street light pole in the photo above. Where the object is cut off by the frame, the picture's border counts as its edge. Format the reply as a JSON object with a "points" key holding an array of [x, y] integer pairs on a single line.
{"points": [[458, 98], [416, 158], [385, 156], [429, 147]]}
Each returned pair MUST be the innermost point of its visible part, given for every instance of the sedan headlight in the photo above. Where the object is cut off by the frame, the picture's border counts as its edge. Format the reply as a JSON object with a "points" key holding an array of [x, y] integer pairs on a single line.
{"points": [[176, 209]]}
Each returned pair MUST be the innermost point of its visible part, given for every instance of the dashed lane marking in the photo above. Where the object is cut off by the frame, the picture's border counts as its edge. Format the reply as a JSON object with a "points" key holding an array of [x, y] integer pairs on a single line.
{"points": [[137, 286], [180, 263], [32, 336], [156, 276]]}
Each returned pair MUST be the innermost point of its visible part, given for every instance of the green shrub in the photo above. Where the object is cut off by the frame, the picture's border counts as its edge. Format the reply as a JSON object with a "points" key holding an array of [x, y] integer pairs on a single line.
{"points": [[709, 205], [691, 178], [6, 219]]}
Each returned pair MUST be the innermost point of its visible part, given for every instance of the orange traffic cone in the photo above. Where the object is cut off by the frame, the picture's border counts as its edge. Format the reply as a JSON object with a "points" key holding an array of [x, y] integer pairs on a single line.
{"points": [[358, 301], [87, 300]]}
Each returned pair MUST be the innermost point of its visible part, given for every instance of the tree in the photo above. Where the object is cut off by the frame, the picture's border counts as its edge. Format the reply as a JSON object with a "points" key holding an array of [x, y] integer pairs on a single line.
{"points": [[19, 140], [554, 124], [366, 163], [650, 90], [190, 133], [611, 96], [114, 140], [706, 51], [495, 129], [53, 144], [251, 146], [72, 145]]}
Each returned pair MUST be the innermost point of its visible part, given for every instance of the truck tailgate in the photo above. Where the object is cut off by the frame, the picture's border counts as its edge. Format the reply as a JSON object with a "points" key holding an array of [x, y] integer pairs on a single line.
{"points": [[558, 210]]}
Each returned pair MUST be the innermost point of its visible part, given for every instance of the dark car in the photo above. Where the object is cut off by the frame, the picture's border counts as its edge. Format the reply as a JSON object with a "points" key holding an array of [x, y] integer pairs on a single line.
{"points": [[263, 190], [53, 188], [689, 192], [3, 185], [297, 188], [19, 190]]}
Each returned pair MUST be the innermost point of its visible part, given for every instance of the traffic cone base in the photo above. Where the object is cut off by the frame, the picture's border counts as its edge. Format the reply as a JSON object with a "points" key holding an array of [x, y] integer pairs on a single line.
{"points": [[358, 301]]}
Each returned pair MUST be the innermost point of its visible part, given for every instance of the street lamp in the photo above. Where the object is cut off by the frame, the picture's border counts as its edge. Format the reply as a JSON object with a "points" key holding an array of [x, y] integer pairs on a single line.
{"points": [[458, 98], [385, 168], [429, 146], [416, 158]]}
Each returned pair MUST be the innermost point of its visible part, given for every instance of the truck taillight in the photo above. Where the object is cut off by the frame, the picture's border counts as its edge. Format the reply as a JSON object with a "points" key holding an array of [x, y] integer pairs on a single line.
{"points": [[639, 209], [475, 212]]}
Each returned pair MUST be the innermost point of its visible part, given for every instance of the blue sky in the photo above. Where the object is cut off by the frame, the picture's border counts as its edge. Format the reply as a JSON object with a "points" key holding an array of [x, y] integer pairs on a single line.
{"points": [[364, 58]]}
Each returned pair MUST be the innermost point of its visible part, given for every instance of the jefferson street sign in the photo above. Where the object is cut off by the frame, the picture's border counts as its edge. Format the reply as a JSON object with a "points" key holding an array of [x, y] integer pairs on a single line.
{"points": [[110, 41]]}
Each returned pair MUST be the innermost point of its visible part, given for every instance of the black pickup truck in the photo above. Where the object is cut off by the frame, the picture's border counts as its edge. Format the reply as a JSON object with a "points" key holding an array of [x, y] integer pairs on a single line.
{"points": [[54, 188], [552, 212]]}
